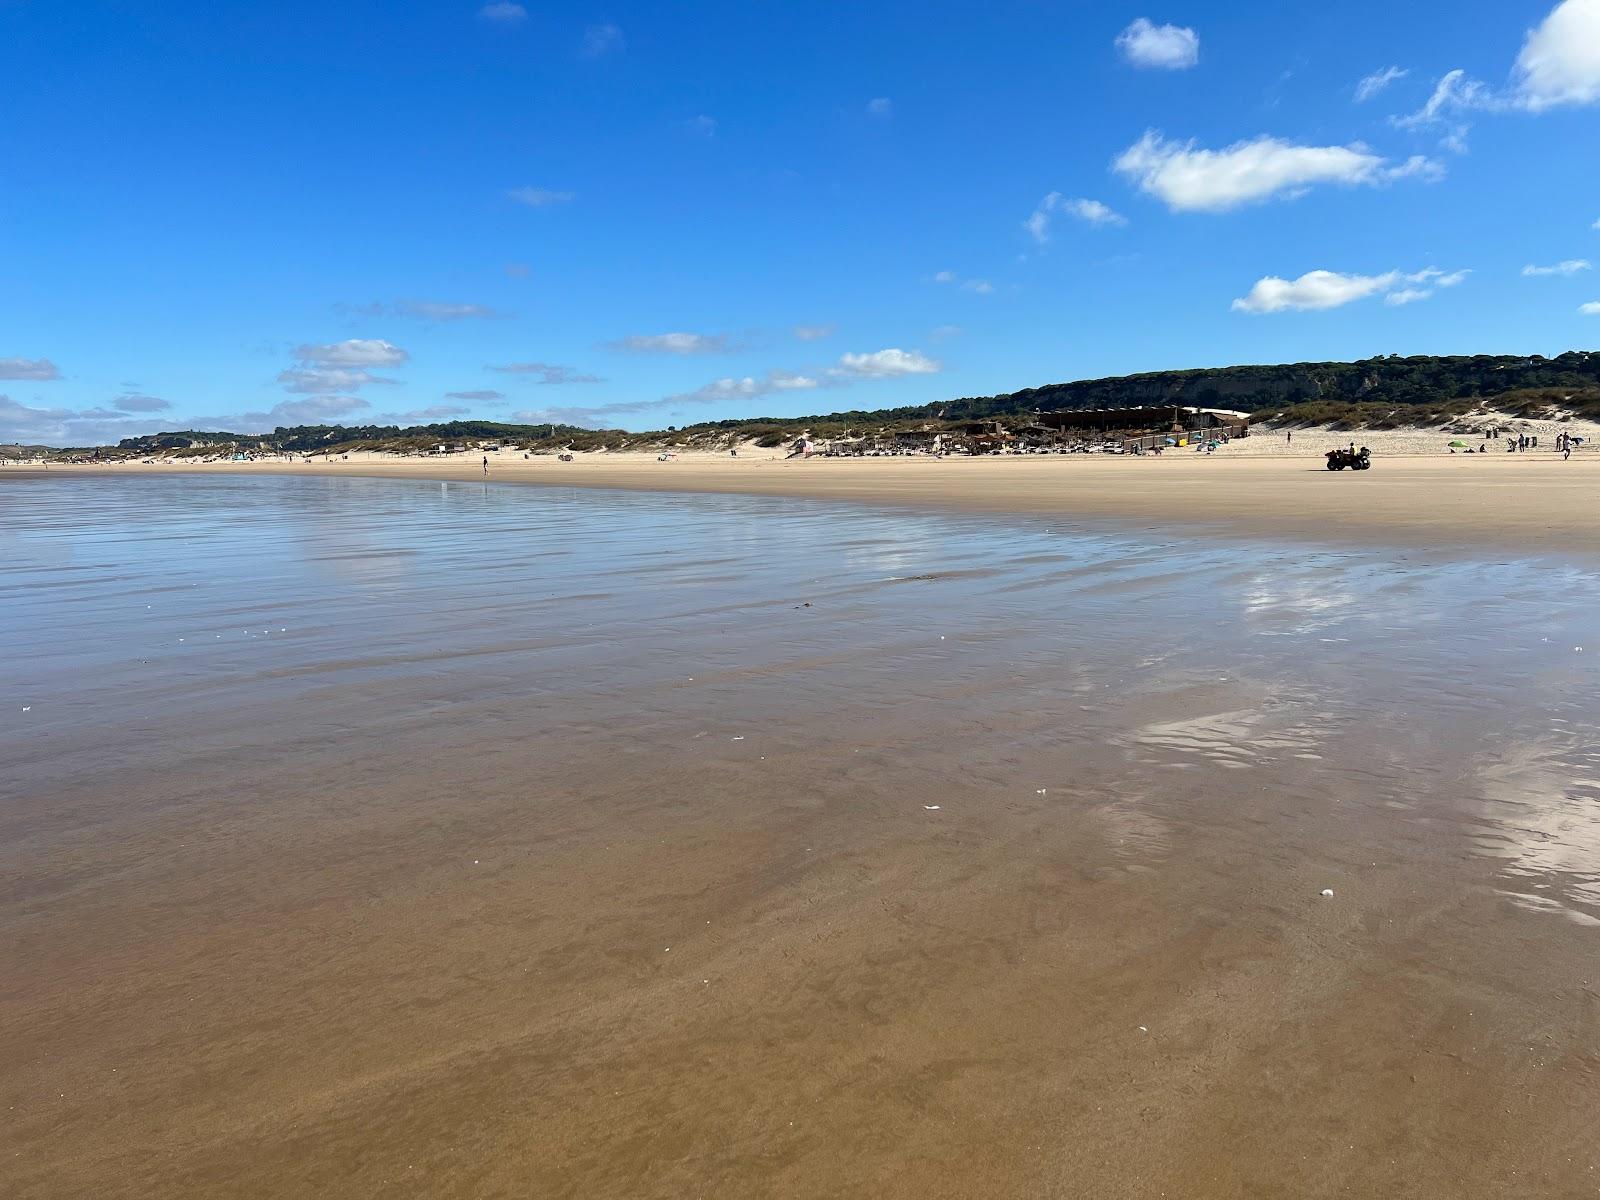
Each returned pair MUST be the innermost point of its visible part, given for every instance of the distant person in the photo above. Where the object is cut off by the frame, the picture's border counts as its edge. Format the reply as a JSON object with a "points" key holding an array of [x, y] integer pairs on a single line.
{"points": [[1288, 436], [485, 464]]}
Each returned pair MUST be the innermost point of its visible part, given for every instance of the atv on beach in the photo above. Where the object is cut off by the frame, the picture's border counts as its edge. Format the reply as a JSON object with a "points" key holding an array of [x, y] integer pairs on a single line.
{"points": [[1356, 460]]}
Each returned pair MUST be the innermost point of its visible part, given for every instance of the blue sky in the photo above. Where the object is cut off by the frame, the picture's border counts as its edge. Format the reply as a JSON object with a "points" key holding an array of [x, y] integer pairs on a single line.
{"points": [[239, 216]]}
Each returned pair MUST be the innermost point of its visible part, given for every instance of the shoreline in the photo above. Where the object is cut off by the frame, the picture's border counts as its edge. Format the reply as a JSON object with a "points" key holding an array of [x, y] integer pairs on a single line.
{"points": [[1534, 504]]}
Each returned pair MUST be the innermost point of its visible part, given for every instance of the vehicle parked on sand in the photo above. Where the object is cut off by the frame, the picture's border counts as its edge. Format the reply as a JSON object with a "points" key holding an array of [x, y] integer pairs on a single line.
{"points": [[1356, 460]]}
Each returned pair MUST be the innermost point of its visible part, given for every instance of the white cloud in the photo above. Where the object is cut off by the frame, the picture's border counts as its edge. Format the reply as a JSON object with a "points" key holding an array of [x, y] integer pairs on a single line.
{"points": [[1591, 309], [1377, 82], [1455, 92], [550, 373], [885, 364], [315, 410], [1170, 47], [814, 333], [745, 388], [38, 369], [1193, 180], [943, 333], [133, 403], [68, 427], [1318, 290], [671, 343], [318, 381], [1094, 212], [748, 387], [434, 412], [479, 396], [981, 287], [1560, 60], [1559, 65], [600, 40], [1091, 212], [702, 126], [503, 13], [881, 107], [438, 310], [354, 352], [538, 197], [1570, 266]]}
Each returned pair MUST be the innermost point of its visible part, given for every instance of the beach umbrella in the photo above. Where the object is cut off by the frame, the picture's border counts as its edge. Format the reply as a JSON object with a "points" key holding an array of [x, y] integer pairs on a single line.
{"points": [[1459, 445], [1172, 441]]}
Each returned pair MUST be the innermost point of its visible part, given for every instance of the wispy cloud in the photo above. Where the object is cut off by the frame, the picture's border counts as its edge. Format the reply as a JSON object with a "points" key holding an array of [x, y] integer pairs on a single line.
{"points": [[744, 388], [1591, 309], [39, 369], [434, 412], [1570, 266], [671, 343], [549, 373], [314, 410], [1558, 66], [1168, 47], [1090, 212], [600, 40], [503, 13], [134, 403], [425, 310], [479, 396], [517, 270], [1377, 82], [321, 370], [850, 369], [880, 107], [69, 427], [538, 197], [702, 126], [1318, 290], [979, 287], [1189, 179], [814, 333], [353, 352], [317, 381]]}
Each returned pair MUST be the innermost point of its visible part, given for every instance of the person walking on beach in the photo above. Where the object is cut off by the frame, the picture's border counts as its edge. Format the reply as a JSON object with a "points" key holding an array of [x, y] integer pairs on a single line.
{"points": [[1288, 437], [485, 464]]}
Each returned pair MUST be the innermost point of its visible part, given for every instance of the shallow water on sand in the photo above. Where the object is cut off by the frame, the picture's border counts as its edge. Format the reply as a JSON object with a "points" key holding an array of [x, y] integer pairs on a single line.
{"points": [[366, 836]]}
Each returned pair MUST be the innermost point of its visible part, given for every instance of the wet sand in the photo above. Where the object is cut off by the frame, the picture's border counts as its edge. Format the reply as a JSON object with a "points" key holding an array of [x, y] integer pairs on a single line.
{"points": [[490, 841], [1533, 503]]}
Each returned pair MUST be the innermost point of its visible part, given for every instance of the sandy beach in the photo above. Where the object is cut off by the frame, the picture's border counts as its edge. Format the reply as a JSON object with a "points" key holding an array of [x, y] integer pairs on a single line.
{"points": [[366, 837], [1257, 487]]}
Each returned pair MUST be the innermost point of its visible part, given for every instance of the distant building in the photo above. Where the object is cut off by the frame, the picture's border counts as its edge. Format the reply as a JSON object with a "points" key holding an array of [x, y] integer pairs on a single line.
{"points": [[1150, 424]]}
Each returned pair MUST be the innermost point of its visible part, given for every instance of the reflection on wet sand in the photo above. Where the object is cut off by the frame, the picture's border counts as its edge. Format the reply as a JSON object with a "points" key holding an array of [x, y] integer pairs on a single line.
{"points": [[365, 837]]}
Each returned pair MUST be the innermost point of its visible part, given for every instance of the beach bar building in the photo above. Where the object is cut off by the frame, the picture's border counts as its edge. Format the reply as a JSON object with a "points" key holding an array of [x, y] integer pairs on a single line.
{"points": [[1149, 426]]}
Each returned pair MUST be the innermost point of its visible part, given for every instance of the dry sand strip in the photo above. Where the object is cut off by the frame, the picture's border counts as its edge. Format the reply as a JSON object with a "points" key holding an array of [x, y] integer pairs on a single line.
{"points": [[1531, 503]]}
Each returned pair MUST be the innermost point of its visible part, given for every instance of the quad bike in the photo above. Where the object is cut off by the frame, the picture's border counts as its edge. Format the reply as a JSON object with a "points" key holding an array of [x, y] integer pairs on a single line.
{"points": [[1356, 460]]}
